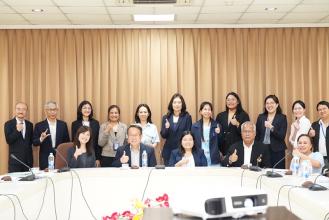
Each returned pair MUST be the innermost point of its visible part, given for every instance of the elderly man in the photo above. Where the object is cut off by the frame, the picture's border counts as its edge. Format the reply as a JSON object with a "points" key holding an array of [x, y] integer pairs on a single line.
{"points": [[248, 151], [48, 134], [19, 133], [132, 153]]}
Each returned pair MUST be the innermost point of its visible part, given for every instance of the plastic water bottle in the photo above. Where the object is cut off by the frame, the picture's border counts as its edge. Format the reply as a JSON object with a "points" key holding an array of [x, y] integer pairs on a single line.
{"points": [[51, 161], [294, 165], [306, 169], [144, 159]]}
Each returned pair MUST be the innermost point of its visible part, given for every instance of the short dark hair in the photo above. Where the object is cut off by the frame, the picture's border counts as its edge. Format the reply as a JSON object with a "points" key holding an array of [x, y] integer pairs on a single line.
{"points": [[276, 100], [89, 144], [181, 148], [79, 110], [298, 102], [170, 108], [112, 107], [322, 103], [239, 108], [305, 135], [135, 126], [149, 118]]}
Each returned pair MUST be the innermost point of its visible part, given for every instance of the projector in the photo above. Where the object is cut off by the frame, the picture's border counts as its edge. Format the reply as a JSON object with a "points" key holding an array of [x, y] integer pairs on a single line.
{"points": [[234, 203]]}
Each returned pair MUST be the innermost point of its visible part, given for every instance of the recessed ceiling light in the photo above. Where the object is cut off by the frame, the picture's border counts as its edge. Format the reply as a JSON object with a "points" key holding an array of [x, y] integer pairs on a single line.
{"points": [[166, 17], [270, 9], [37, 10]]}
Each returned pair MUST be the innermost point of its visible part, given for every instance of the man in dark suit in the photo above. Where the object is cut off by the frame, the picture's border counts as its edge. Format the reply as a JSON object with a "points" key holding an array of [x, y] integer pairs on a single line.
{"points": [[18, 133], [132, 152], [320, 130], [248, 151], [48, 134]]}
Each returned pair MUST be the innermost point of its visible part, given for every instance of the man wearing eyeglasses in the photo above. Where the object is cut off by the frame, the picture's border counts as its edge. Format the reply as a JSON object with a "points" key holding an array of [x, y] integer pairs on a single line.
{"points": [[50, 133], [19, 133]]}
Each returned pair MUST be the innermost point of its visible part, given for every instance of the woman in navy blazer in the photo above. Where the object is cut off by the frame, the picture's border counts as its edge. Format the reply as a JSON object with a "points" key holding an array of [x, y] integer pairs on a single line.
{"points": [[206, 132], [187, 155], [85, 118], [271, 128], [174, 123]]}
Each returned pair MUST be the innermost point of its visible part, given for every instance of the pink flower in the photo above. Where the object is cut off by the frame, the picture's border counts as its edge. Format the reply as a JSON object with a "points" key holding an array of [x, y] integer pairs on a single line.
{"points": [[165, 197]]}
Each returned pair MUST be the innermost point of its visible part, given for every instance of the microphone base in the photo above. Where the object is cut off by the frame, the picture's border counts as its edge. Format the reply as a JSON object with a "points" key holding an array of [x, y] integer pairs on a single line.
{"points": [[30, 177], [64, 169], [255, 168], [272, 174]]}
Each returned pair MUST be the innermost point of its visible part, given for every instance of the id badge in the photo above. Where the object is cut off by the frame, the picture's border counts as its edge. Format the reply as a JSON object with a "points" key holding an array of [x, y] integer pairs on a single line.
{"points": [[116, 146]]}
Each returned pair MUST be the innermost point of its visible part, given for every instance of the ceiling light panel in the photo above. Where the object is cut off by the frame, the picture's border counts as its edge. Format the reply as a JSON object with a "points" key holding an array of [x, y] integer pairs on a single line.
{"points": [[29, 2]]}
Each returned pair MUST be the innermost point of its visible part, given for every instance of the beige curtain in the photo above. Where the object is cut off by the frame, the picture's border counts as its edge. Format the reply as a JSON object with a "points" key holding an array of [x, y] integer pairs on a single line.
{"points": [[127, 67]]}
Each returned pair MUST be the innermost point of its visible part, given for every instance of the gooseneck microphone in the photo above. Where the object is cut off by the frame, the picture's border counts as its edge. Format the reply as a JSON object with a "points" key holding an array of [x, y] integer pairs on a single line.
{"points": [[26, 178], [273, 174], [63, 169]]}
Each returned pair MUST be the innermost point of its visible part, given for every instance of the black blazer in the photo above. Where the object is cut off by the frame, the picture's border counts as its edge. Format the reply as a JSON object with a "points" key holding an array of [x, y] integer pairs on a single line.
{"points": [[315, 139], [257, 150], [83, 161], [200, 159], [62, 136], [151, 161], [173, 135], [19, 146], [230, 133], [94, 126], [277, 135], [213, 139]]}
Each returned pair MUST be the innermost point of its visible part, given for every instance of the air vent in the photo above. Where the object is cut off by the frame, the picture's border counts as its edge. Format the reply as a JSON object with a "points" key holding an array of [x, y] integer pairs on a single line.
{"points": [[155, 1]]}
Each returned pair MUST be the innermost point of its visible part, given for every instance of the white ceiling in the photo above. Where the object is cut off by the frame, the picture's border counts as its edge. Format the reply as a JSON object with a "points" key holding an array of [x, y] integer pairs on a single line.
{"points": [[200, 13]]}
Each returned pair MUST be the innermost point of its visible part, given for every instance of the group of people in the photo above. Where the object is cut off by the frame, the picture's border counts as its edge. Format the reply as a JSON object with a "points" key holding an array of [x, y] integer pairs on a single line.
{"points": [[230, 139]]}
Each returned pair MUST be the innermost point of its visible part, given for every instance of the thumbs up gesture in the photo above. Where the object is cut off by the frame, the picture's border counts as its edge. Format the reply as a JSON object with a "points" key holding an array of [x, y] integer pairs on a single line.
{"points": [[234, 157], [311, 133], [167, 124], [124, 158], [217, 130]]}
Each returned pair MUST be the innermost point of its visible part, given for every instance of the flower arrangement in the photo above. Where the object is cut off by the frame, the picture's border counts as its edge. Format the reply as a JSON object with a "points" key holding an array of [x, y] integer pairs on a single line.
{"points": [[137, 214]]}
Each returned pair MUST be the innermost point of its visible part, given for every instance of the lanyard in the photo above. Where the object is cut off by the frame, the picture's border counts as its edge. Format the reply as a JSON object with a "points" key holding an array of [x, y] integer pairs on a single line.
{"points": [[324, 133]]}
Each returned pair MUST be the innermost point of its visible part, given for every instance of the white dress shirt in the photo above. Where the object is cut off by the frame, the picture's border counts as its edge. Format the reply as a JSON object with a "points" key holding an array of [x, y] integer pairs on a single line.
{"points": [[322, 139], [24, 126], [247, 153], [52, 130]]}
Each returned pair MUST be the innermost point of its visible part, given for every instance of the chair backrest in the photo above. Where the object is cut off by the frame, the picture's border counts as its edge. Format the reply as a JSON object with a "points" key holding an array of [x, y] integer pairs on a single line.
{"points": [[62, 149]]}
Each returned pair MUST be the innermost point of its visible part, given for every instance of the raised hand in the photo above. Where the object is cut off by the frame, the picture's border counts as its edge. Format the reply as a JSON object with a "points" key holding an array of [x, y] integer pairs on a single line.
{"points": [[268, 124], [234, 122], [20, 126], [167, 124], [44, 135], [234, 157], [311, 132], [217, 129], [124, 158]]}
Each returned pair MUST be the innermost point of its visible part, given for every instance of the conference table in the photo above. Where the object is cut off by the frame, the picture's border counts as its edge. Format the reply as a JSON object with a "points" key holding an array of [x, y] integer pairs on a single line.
{"points": [[108, 190]]}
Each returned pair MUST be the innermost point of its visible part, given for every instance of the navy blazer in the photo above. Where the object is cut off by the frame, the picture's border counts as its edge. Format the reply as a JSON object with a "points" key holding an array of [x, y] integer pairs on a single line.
{"points": [[315, 139], [151, 161], [259, 150], [277, 135], [173, 135], [62, 136], [94, 126], [213, 139], [200, 159], [19, 146], [230, 134]]}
